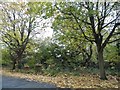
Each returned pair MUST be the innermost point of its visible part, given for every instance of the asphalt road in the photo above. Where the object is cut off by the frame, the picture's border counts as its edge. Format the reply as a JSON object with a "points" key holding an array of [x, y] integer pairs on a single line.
{"points": [[12, 82]]}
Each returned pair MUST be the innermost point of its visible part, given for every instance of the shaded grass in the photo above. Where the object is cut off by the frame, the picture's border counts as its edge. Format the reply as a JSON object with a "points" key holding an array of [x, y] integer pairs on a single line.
{"points": [[55, 72]]}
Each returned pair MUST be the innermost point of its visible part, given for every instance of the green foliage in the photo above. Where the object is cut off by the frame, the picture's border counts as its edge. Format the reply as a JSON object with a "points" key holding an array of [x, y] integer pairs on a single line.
{"points": [[111, 53], [6, 59], [68, 49], [44, 9]]}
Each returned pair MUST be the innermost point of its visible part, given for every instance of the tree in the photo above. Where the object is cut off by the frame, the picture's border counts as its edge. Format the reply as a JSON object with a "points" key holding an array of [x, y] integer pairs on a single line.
{"points": [[66, 34], [93, 23], [16, 30]]}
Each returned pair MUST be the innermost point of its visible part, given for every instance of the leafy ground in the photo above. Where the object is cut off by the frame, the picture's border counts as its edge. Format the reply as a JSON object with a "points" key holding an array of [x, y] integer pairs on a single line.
{"points": [[68, 81]]}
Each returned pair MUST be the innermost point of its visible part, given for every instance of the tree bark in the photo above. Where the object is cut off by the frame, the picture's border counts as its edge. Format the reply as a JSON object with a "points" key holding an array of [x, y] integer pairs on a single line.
{"points": [[14, 65], [19, 64], [101, 65]]}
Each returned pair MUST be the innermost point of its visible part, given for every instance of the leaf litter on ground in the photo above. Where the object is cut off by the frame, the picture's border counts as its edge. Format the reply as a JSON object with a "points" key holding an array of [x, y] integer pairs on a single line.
{"points": [[68, 81]]}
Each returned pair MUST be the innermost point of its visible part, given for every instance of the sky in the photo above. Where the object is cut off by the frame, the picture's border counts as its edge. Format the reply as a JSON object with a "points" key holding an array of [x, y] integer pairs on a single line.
{"points": [[43, 29]]}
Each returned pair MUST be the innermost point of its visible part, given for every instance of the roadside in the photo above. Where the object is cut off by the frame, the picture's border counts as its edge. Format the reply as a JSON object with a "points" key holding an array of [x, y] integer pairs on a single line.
{"points": [[68, 81]]}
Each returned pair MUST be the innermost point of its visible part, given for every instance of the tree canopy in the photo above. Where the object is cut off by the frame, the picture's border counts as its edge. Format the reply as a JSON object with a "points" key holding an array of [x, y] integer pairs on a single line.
{"points": [[85, 34]]}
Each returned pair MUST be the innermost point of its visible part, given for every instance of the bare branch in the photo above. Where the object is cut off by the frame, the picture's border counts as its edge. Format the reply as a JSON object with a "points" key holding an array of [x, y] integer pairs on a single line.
{"points": [[110, 22], [110, 35]]}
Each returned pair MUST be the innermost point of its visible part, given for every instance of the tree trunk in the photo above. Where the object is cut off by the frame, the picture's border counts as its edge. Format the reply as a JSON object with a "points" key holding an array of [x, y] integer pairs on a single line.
{"points": [[14, 65], [19, 65], [101, 65]]}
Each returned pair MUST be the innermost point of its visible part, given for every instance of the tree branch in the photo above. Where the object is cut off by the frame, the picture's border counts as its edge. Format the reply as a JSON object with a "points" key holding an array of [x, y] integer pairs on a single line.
{"points": [[110, 35], [86, 37], [110, 22], [118, 33], [114, 40]]}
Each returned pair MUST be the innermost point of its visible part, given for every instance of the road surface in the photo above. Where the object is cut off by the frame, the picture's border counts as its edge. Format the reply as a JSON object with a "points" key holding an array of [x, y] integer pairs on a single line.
{"points": [[12, 82]]}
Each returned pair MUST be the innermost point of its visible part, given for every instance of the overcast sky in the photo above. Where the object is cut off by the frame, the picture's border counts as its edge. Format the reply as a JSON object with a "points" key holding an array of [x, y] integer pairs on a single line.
{"points": [[43, 29]]}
